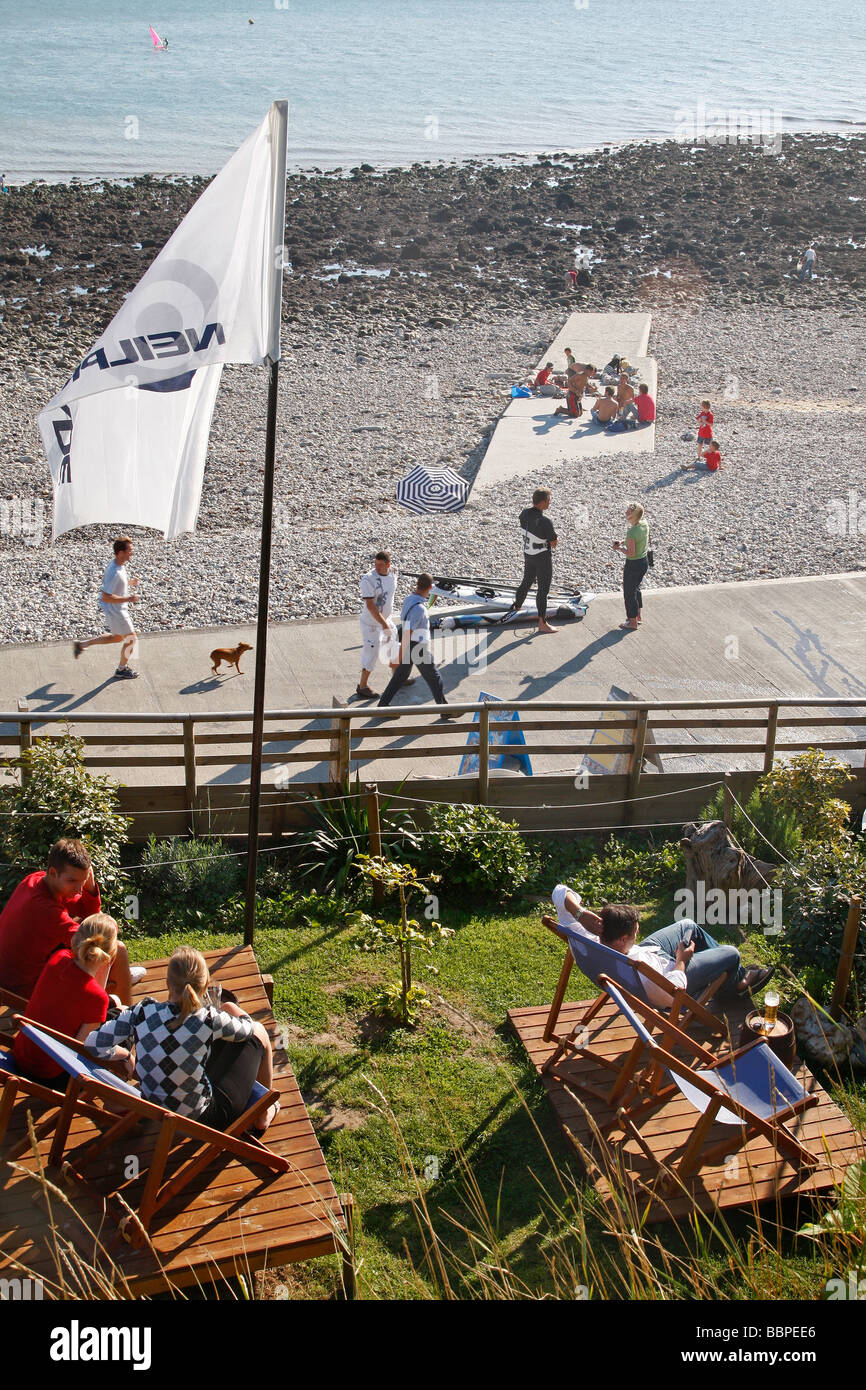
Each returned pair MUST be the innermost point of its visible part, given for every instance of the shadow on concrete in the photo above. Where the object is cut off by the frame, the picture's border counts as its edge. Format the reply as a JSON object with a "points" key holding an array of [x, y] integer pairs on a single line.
{"points": [[58, 707], [811, 660], [202, 687]]}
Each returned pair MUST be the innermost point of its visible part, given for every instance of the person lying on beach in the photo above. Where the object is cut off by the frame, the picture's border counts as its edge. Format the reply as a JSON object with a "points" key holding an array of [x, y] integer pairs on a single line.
{"points": [[544, 383], [684, 953], [711, 459], [605, 408], [642, 410], [190, 1057], [70, 994]]}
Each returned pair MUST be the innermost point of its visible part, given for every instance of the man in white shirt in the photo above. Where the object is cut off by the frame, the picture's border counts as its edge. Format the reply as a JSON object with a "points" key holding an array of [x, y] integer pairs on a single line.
{"points": [[416, 647], [114, 600], [669, 952], [378, 587]]}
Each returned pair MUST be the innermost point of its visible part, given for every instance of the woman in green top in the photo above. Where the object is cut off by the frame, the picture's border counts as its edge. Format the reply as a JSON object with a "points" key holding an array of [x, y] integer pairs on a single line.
{"points": [[635, 548]]}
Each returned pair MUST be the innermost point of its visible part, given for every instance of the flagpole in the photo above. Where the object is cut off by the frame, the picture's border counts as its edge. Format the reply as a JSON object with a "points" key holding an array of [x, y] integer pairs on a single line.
{"points": [[281, 118]]}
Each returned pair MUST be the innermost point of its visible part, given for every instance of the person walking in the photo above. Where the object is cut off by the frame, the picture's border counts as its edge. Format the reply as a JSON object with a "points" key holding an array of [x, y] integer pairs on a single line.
{"points": [[114, 600], [808, 260], [539, 542], [636, 565], [416, 647], [378, 587]]}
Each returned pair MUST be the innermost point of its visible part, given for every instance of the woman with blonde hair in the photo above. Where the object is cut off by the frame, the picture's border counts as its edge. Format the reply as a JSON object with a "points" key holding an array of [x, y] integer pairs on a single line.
{"points": [[635, 548], [70, 993], [191, 1057]]}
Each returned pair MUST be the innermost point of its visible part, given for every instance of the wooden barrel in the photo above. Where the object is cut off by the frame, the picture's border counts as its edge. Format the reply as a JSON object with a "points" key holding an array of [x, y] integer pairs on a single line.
{"points": [[781, 1040]]}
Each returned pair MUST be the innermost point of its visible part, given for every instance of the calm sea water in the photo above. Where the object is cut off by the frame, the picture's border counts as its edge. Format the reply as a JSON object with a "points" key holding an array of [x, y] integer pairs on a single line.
{"points": [[395, 81]]}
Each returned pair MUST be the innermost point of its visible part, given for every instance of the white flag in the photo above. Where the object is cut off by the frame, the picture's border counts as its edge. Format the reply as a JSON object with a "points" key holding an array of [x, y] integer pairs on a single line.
{"points": [[126, 436]]}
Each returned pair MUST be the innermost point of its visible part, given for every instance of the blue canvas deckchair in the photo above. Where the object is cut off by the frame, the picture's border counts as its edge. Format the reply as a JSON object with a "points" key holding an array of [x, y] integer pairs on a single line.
{"points": [[16, 1085], [749, 1088], [593, 959], [125, 1107]]}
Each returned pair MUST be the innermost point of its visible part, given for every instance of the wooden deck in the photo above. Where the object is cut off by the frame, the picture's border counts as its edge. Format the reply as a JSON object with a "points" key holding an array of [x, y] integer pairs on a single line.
{"points": [[759, 1174], [229, 1220]]}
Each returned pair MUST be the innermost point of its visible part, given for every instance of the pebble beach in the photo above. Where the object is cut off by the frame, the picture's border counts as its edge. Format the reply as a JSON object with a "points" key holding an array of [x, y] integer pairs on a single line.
{"points": [[417, 296]]}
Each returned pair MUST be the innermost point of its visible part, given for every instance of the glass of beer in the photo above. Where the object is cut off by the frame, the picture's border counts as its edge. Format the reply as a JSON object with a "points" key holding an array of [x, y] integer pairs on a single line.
{"points": [[215, 994], [771, 1010]]}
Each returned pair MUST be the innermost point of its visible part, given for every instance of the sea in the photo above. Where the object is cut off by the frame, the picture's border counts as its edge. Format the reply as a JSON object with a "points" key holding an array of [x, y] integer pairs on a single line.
{"points": [[394, 82]]}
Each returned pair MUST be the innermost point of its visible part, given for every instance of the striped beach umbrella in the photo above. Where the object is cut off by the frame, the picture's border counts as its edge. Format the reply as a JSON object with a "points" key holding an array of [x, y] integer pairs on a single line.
{"points": [[432, 490]]}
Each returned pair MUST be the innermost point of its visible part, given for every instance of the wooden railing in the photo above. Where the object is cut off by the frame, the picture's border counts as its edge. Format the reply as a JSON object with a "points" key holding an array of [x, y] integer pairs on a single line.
{"points": [[342, 741]]}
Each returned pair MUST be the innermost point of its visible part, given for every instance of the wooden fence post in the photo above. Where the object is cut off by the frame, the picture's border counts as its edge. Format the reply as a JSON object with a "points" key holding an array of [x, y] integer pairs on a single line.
{"points": [[375, 842], [25, 741], [846, 959], [338, 764], [483, 756], [727, 801], [770, 745], [636, 764], [189, 772]]}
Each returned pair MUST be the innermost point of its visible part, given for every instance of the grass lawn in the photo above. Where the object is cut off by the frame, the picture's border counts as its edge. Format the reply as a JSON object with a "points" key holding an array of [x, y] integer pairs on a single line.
{"points": [[458, 1101]]}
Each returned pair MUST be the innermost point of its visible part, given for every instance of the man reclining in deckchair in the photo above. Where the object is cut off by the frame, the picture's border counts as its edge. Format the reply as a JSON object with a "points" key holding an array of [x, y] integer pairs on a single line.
{"points": [[684, 953]]}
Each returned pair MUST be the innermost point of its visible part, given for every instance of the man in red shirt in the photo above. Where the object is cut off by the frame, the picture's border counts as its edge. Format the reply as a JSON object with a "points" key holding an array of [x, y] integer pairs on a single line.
{"points": [[642, 408], [44, 912]]}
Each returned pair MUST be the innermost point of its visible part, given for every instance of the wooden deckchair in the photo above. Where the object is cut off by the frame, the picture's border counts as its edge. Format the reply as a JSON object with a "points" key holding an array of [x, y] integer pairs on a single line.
{"points": [[593, 959], [749, 1088], [125, 1107], [11, 1004]]}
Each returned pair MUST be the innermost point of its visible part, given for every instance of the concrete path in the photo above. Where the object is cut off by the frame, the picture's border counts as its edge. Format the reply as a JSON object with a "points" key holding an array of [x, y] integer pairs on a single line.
{"points": [[767, 638], [529, 437]]}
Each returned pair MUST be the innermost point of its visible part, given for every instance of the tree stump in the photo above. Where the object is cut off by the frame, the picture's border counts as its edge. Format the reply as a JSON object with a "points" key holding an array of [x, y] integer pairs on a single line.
{"points": [[712, 857]]}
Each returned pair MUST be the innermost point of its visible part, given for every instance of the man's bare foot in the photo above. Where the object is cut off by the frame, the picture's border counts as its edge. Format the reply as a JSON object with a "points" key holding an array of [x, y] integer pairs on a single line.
{"points": [[264, 1121], [546, 627], [628, 627]]}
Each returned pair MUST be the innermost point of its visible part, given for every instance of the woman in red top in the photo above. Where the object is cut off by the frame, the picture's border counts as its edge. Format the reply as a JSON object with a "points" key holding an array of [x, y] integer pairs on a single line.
{"points": [[70, 993]]}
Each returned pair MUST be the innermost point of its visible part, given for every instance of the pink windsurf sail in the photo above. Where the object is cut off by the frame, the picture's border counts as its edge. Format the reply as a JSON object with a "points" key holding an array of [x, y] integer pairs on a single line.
{"points": [[157, 41]]}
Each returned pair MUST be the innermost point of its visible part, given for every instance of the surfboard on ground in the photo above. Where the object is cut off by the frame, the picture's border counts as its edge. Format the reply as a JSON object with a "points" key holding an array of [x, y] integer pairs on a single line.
{"points": [[458, 619], [470, 588]]}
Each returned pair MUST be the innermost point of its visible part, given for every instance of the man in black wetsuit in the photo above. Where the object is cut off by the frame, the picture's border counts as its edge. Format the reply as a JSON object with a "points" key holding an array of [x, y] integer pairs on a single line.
{"points": [[539, 539]]}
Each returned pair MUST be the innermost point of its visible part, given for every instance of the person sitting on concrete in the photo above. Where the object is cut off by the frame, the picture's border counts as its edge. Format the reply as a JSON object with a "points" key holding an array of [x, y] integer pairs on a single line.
{"points": [[605, 408], [685, 953], [544, 383], [641, 410], [610, 374], [624, 391]]}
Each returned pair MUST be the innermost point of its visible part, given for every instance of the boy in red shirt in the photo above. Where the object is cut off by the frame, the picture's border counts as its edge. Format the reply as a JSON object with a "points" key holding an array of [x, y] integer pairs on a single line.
{"points": [[711, 460], [44, 912], [705, 427]]}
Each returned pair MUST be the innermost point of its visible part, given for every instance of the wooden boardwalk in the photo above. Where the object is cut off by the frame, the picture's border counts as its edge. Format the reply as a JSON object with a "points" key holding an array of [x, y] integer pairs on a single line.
{"points": [[759, 1174], [230, 1220]]}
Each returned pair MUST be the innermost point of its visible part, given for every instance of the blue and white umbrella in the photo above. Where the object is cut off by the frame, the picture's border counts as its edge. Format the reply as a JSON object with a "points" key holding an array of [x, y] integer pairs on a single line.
{"points": [[432, 490]]}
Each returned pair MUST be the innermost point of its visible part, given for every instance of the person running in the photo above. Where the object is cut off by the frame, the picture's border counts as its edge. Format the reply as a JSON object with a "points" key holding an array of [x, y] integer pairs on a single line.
{"points": [[114, 602], [705, 427], [539, 542], [605, 408], [199, 1061], [636, 565], [378, 587], [642, 409], [44, 912], [416, 647]]}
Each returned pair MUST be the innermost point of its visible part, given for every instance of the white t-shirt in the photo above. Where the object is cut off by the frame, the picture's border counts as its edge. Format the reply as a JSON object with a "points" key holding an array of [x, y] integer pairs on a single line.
{"points": [[115, 581], [649, 955], [381, 588]]}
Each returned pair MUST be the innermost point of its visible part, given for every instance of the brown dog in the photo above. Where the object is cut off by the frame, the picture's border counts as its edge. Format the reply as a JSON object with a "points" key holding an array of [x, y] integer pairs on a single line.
{"points": [[231, 655]]}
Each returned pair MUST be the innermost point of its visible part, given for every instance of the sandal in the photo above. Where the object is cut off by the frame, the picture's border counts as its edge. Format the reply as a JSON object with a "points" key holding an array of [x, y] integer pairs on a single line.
{"points": [[764, 973]]}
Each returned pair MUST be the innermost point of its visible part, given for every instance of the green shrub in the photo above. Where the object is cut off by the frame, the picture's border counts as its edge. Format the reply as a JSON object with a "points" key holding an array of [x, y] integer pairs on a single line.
{"points": [[471, 848], [57, 798], [340, 833], [815, 897], [623, 870], [197, 875], [796, 804]]}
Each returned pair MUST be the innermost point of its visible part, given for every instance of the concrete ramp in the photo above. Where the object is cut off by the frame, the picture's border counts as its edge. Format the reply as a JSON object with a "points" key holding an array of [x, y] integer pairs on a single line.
{"points": [[530, 438]]}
